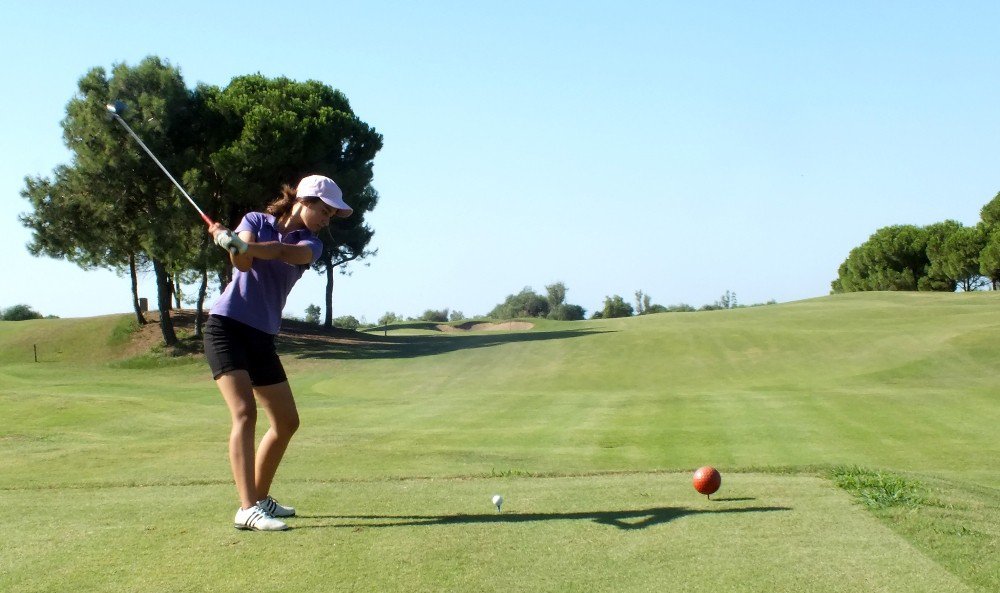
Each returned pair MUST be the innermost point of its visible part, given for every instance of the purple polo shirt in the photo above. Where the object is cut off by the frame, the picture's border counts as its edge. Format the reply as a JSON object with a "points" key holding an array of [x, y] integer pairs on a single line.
{"points": [[257, 297]]}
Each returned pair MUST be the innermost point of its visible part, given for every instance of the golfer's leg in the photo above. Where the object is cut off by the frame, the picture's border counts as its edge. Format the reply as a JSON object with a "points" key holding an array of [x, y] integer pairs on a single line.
{"points": [[279, 405], [238, 392]]}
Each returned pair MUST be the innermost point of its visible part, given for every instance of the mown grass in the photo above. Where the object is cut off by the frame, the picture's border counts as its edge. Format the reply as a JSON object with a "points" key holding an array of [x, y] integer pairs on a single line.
{"points": [[607, 533], [582, 426]]}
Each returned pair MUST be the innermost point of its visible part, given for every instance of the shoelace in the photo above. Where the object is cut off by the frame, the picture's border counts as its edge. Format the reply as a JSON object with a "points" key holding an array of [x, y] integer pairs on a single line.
{"points": [[256, 515]]}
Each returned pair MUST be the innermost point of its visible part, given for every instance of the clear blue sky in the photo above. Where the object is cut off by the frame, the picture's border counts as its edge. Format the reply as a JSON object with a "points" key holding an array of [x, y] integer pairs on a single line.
{"points": [[680, 148]]}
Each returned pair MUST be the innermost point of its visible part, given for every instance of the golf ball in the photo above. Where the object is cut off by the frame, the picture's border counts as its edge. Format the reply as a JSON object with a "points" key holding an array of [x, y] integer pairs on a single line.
{"points": [[707, 480], [497, 501]]}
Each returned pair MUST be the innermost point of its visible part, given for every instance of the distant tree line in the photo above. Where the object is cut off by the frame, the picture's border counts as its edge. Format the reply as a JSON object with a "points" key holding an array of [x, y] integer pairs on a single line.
{"points": [[944, 256], [232, 148], [527, 304], [615, 306]]}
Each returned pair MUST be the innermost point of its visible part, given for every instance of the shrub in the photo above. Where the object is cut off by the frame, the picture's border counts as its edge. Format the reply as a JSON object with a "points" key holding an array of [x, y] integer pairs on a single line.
{"points": [[567, 313], [615, 306], [388, 318], [681, 308], [526, 303], [346, 322], [19, 313], [435, 316]]}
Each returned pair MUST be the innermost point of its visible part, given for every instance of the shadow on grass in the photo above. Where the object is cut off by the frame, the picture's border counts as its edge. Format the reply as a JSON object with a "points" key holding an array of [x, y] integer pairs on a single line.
{"points": [[358, 345], [637, 519]]}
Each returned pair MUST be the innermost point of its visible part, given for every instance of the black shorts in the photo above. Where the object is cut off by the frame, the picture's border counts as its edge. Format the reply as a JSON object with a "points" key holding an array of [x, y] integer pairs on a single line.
{"points": [[234, 346]]}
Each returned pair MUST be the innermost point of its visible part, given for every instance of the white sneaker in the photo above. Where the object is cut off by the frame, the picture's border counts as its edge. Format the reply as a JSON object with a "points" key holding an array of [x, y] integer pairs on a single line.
{"points": [[271, 507], [256, 519]]}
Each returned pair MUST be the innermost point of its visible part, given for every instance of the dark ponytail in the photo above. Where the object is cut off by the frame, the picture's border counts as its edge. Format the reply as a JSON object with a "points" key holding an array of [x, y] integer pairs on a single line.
{"points": [[283, 205]]}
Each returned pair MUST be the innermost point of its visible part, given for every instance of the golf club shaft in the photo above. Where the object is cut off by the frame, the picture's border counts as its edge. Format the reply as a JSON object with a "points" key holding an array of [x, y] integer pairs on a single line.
{"points": [[204, 217]]}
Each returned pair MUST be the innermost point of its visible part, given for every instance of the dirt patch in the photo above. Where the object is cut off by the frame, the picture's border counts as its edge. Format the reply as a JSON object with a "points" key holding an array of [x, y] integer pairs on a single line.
{"points": [[149, 336], [474, 326]]}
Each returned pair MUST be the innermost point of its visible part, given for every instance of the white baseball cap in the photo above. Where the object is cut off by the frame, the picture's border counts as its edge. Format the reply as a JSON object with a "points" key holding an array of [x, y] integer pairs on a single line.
{"points": [[317, 186]]}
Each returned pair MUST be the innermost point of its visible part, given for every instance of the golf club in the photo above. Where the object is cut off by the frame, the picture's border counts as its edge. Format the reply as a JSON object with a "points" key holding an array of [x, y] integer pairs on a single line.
{"points": [[115, 109]]}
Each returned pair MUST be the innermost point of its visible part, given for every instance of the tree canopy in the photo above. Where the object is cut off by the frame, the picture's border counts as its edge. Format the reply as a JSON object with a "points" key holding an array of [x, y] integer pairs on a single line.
{"points": [[232, 148], [615, 306], [937, 257], [989, 226], [943, 256], [526, 303]]}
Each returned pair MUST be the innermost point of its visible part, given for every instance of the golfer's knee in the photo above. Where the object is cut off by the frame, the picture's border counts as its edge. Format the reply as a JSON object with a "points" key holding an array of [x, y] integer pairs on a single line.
{"points": [[287, 425], [244, 415]]}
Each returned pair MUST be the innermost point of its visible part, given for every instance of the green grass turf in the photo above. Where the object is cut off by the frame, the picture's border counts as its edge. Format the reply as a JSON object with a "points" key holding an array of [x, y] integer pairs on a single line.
{"points": [[598, 533], [590, 430]]}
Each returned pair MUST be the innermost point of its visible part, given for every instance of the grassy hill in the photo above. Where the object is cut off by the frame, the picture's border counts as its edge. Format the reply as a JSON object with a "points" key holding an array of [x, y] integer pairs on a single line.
{"points": [[94, 340], [589, 428]]}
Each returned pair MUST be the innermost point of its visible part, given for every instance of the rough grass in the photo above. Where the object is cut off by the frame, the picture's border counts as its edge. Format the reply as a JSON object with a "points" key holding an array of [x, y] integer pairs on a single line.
{"points": [[879, 490], [957, 523]]}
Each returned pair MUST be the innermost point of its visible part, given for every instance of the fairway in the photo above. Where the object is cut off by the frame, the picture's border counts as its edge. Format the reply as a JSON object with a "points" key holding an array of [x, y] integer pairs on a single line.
{"points": [[115, 477]]}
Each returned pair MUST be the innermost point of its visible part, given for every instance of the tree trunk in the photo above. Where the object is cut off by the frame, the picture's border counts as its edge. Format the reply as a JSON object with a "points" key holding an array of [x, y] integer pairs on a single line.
{"points": [[163, 294], [175, 284], [225, 277], [328, 322], [202, 292], [135, 290], [330, 267]]}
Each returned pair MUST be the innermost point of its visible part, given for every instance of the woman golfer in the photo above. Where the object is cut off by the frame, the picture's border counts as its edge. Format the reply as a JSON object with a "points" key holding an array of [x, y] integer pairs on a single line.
{"points": [[270, 251]]}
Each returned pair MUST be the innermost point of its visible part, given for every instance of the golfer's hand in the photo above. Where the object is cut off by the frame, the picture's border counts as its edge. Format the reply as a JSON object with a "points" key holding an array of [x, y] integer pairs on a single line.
{"points": [[215, 228], [230, 241]]}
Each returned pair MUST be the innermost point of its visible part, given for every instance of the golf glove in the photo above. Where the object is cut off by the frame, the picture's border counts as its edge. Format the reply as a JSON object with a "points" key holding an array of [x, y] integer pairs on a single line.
{"points": [[229, 241]]}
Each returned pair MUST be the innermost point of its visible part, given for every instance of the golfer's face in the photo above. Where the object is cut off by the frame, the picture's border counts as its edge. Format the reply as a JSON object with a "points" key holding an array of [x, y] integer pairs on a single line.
{"points": [[317, 215]]}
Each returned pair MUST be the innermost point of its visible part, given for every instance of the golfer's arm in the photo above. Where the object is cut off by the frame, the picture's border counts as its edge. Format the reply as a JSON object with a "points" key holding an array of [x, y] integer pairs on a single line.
{"points": [[290, 254], [243, 261]]}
